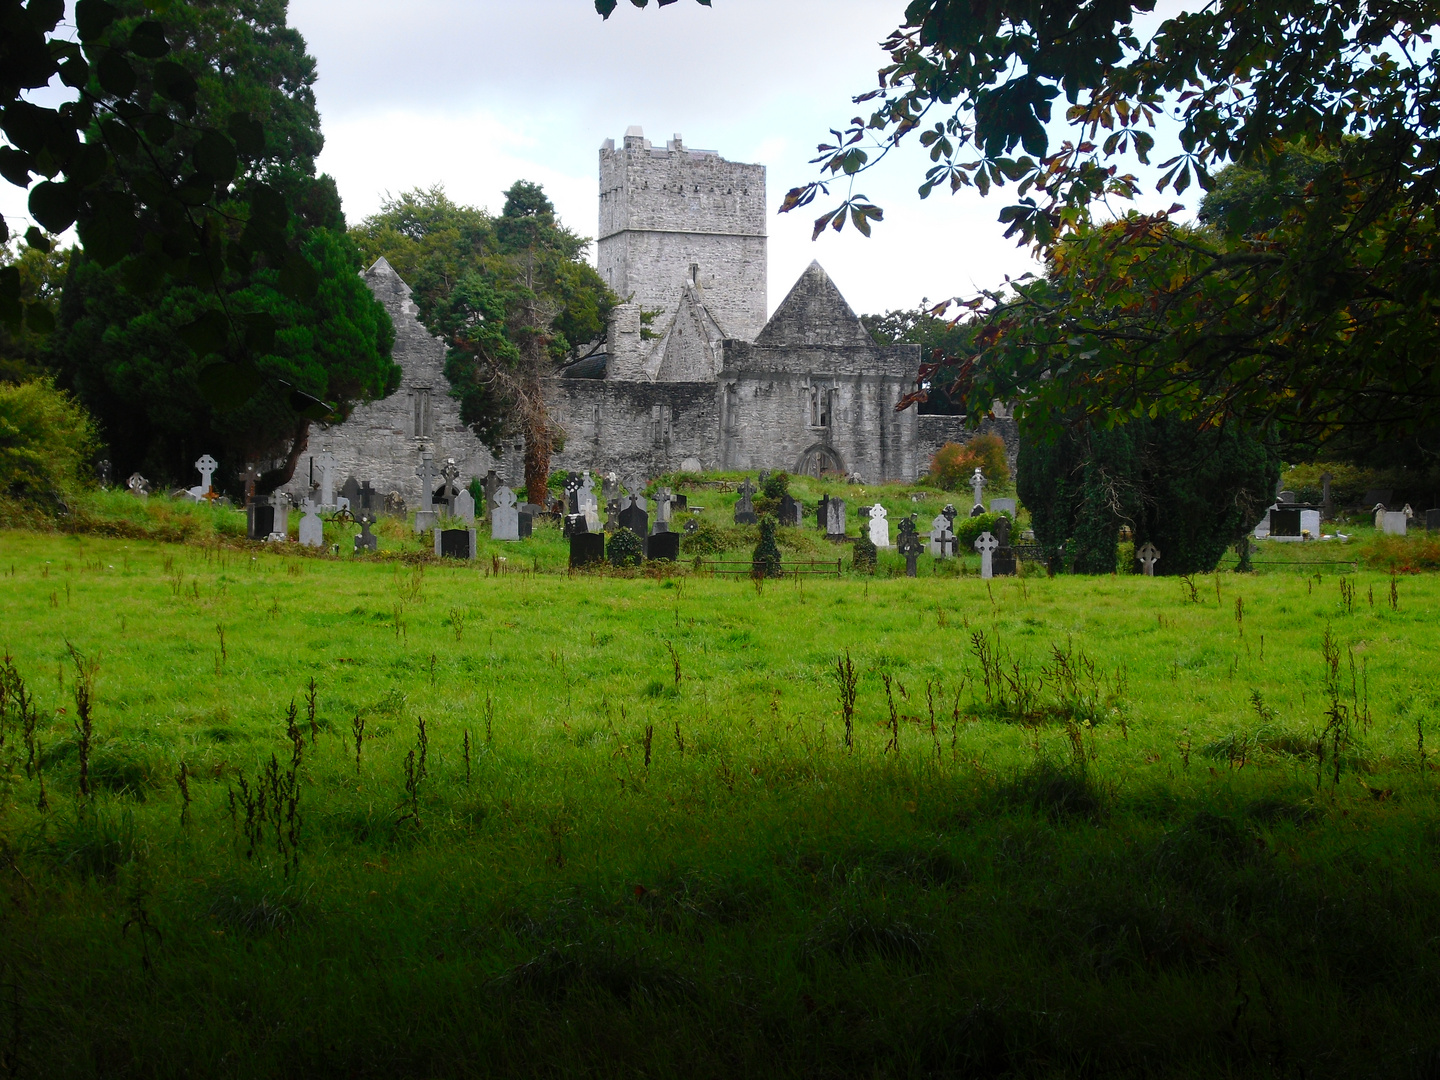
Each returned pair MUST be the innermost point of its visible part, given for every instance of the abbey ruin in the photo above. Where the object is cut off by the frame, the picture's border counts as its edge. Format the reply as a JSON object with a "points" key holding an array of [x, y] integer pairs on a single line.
{"points": [[692, 375]]}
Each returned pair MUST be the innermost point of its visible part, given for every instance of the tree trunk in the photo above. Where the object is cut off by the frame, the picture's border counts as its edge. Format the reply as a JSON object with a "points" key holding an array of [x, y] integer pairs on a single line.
{"points": [[537, 447], [277, 478]]}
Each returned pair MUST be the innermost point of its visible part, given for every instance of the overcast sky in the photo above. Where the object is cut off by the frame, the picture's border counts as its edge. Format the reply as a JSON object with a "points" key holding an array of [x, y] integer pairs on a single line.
{"points": [[475, 94]]}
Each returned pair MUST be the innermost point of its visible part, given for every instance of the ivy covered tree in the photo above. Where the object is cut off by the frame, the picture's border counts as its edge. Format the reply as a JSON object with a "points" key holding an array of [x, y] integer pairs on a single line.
{"points": [[241, 362], [1189, 489], [511, 296]]}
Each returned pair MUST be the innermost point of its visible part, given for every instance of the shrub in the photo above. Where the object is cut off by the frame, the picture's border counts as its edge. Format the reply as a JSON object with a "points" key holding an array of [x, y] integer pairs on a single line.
{"points": [[968, 530], [866, 554], [46, 440], [766, 560], [955, 463], [625, 549], [776, 486]]}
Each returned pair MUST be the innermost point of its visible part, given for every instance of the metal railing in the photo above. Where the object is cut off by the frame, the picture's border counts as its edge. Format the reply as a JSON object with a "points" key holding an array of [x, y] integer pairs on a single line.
{"points": [[736, 568]]}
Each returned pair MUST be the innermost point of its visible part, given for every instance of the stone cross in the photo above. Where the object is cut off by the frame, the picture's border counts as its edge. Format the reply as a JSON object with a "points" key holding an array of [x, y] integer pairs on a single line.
{"points": [[950, 514], [367, 500], [206, 466], [1148, 555], [664, 500], [588, 504], [879, 527], [312, 529], [426, 473], [138, 485], [910, 544], [977, 485], [367, 540], [492, 485], [248, 478], [102, 470], [986, 544], [326, 460]]}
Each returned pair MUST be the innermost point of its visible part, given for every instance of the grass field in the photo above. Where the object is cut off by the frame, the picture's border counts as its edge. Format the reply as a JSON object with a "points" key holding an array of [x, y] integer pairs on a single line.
{"points": [[1072, 826]]}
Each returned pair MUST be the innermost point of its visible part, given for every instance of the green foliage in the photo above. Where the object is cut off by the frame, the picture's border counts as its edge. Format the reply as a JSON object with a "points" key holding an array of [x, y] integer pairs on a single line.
{"points": [[968, 529], [776, 486], [955, 463], [624, 548], [41, 273], [944, 344], [46, 443], [1192, 493], [864, 554], [512, 297], [765, 561]]}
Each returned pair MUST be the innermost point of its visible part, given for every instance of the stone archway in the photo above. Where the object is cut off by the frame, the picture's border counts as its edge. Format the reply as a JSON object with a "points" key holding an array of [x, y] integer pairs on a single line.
{"points": [[819, 459]]}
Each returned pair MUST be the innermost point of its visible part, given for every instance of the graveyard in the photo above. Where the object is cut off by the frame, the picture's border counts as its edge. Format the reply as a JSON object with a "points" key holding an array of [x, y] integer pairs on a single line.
{"points": [[435, 808]]}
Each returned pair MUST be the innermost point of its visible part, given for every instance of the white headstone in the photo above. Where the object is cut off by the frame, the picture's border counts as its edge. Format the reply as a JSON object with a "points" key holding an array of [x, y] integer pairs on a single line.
{"points": [[1148, 555], [312, 529], [977, 485], [1310, 523], [505, 519], [879, 526], [206, 467], [1394, 523], [986, 544], [589, 504], [942, 540], [465, 506], [326, 461]]}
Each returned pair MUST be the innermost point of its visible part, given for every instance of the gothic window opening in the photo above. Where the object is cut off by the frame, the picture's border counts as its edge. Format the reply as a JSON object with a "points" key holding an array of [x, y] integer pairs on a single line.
{"points": [[424, 413], [819, 407]]}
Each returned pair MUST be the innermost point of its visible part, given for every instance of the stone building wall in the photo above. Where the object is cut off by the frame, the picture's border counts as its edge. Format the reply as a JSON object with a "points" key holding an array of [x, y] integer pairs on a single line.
{"points": [[664, 212], [381, 442], [633, 428]]}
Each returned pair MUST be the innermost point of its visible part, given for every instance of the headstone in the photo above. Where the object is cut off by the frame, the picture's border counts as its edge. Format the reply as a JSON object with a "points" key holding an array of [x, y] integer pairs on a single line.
{"points": [[586, 549], [492, 485], [663, 546], [325, 460], [879, 526], [526, 523], [259, 520], [1395, 523], [449, 488], [425, 520], [395, 505], [426, 473], [692, 527], [248, 479], [455, 543], [1310, 523], [951, 514], [745, 509], [910, 544], [572, 493], [366, 541], [138, 486], [573, 525], [977, 487], [368, 506], [102, 472], [636, 487], [589, 506], [312, 529], [832, 517], [942, 538], [465, 507], [690, 465], [1148, 556], [632, 515], [664, 506], [1432, 520], [1003, 506], [682, 504], [792, 511], [609, 488], [1262, 530], [504, 518], [612, 515], [1284, 522], [350, 492], [1285, 498], [986, 544], [1002, 562], [206, 466]]}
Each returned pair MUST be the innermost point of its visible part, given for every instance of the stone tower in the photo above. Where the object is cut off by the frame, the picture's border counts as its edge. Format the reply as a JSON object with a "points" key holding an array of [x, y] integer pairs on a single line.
{"points": [[677, 217]]}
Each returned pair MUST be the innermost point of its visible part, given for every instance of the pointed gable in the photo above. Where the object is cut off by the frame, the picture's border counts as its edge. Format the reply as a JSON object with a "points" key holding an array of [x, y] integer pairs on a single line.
{"points": [[814, 314]]}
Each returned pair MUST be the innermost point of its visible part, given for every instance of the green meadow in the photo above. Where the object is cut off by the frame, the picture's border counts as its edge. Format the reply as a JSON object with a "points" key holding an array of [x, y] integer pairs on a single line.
{"points": [[271, 814]]}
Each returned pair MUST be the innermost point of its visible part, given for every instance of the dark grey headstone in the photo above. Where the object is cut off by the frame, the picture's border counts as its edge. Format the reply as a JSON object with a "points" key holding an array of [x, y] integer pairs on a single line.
{"points": [[682, 504], [1284, 522], [1432, 519], [574, 525], [259, 520], [791, 511], [632, 517], [457, 543], [977, 510], [745, 508], [951, 513], [350, 491], [664, 545], [586, 549], [366, 541], [527, 524]]}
